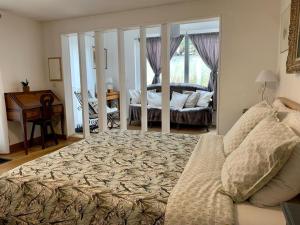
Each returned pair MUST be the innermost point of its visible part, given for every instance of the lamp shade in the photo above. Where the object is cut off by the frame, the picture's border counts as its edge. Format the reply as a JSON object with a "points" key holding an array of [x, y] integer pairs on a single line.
{"points": [[266, 76]]}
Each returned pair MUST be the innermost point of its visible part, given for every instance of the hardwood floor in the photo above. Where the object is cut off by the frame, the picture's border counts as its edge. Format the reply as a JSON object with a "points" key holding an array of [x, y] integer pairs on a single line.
{"points": [[19, 157]]}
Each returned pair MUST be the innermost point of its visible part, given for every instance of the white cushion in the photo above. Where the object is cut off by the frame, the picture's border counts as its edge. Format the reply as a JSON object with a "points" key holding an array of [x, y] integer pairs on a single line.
{"points": [[192, 100], [178, 100], [244, 125], [205, 98], [258, 159], [286, 185], [135, 96], [154, 99]]}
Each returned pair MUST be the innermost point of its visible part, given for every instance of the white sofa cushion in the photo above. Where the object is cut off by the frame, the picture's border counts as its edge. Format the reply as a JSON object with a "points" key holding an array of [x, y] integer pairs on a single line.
{"points": [[205, 98], [192, 100], [154, 99], [178, 100], [135, 96]]}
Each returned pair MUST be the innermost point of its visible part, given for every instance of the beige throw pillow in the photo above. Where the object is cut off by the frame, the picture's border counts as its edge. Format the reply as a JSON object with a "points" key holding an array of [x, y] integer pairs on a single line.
{"points": [[258, 159], [192, 99], [285, 185], [244, 125]]}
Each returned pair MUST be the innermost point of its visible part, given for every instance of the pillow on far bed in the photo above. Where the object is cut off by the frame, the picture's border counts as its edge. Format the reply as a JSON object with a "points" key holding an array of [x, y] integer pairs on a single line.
{"points": [[205, 98], [178, 100], [154, 99], [245, 124], [286, 184], [192, 99], [258, 159]]}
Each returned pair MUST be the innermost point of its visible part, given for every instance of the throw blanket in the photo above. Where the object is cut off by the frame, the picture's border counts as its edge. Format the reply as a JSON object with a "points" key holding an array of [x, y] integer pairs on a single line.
{"points": [[112, 178], [196, 200]]}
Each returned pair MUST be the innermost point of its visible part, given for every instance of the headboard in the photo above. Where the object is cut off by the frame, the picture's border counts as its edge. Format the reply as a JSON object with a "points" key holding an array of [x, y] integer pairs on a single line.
{"points": [[289, 103]]}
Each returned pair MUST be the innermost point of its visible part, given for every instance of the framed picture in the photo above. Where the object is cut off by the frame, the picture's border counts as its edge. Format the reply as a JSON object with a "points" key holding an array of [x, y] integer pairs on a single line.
{"points": [[284, 29], [293, 60], [55, 69], [105, 57]]}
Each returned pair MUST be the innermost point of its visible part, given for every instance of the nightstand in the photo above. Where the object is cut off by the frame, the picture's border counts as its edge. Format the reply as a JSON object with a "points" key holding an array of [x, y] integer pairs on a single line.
{"points": [[291, 211]]}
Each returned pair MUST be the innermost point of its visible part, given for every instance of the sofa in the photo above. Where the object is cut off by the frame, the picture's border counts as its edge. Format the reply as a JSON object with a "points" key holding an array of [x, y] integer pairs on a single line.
{"points": [[197, 116]]}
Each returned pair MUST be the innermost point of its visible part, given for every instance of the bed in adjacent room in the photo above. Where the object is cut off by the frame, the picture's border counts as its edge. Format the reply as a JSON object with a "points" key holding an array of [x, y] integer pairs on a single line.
{"points": [[136, 178]]}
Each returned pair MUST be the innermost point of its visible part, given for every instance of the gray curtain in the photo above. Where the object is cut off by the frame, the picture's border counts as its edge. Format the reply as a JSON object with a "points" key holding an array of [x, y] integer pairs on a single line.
{"points": [[207, 45], [153, 46]]}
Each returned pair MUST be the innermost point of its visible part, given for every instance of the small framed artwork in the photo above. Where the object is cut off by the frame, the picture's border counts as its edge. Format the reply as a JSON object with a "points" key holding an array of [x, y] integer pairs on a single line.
{"points": [[284, 29], [55, 69], [105, 57]]}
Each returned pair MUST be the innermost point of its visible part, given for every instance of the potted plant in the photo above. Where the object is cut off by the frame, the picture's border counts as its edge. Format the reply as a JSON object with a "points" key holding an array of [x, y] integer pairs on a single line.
{"points": [[25, 85]]}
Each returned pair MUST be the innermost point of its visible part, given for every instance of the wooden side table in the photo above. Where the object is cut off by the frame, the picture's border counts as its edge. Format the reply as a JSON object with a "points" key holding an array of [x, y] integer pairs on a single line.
{"points": [[113, 96]]}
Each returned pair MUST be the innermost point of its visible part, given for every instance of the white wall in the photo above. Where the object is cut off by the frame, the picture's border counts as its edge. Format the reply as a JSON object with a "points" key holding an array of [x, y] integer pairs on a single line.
{"points": [[249, 32], [289, 83], [21, 57]]}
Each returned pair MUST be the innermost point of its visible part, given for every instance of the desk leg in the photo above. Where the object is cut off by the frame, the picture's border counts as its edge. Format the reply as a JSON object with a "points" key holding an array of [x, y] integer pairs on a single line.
{"points": [[62, 124], [25, 136]]}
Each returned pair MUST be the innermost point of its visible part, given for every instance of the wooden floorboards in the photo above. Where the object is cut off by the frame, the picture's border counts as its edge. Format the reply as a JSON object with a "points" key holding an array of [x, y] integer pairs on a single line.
{"points": [[19, 157]]}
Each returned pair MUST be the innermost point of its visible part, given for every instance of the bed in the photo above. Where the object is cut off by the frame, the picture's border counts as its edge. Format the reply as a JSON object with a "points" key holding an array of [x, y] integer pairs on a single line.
{"points": [[110, 178], [128, 177]]}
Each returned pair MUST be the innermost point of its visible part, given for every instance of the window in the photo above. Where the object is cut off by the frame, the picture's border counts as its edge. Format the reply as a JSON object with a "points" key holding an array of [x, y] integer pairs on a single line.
{"points": [[199, 72], [186, 66]]}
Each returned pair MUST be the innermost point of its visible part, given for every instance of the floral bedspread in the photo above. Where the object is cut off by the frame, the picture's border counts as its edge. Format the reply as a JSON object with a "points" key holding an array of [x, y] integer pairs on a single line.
{"points": [[111, 178]]}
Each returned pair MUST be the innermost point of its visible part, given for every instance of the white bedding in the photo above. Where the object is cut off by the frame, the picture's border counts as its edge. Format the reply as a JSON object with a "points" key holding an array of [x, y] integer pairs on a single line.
{"points": [[248, 214]]}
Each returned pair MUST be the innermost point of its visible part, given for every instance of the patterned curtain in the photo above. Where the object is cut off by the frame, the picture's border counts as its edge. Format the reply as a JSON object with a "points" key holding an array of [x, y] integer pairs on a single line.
{"points": [[153, 46], [207, 45]]}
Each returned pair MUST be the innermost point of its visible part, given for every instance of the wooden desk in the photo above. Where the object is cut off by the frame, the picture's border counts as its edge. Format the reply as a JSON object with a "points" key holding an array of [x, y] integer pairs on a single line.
{"points": [[24, 107], [112, 96]]}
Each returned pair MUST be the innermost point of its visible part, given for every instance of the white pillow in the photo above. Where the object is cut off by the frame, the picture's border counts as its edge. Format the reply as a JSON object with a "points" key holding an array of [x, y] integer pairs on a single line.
{"points": [[178, 100], [244, 125], [154, 99], [192, 100], [286, 184], [281, 109], [205, 98], [258, 159], [135, 96]]}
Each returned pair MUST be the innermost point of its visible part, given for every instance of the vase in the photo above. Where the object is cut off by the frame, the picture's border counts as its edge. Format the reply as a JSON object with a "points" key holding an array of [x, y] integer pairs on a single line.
{"points": [[26, 89]]}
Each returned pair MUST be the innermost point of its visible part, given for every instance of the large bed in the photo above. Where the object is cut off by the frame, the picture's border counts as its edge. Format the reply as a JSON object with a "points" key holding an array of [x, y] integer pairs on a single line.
{"points": [[128, 177]]}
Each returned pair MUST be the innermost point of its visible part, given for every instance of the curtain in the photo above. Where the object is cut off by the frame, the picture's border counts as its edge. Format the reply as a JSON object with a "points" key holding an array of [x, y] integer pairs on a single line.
{"points": [[4, 142], [153, 46], [207, 45]]}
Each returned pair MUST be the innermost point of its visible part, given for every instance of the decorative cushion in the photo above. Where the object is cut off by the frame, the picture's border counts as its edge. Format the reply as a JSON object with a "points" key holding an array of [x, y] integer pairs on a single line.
{"points": [[205, 98], [135, 96], [192, 99], [281, 109], [258, 159], [178, 100], [285, 185], [154, 99], [244, 125]]}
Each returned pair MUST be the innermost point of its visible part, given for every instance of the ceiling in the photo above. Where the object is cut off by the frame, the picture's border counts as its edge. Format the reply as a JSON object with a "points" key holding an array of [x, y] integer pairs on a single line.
{"points": [[46, 10]]}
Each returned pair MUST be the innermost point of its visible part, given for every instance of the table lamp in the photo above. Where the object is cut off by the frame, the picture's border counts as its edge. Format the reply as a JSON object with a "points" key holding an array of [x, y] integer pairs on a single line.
{"points": [[265, 77]]}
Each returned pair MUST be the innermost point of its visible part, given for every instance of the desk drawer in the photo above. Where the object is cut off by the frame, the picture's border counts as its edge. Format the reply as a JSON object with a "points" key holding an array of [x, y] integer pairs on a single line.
{"points": [[33, 114]]}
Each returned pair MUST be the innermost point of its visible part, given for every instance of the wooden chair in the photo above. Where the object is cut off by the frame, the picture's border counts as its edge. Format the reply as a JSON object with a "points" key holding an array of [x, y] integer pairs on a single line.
{"points": [[45, 121]]}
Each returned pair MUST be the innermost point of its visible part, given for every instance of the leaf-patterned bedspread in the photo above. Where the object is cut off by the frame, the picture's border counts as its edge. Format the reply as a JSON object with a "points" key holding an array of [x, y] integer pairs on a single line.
{"points": [[111, 178]]}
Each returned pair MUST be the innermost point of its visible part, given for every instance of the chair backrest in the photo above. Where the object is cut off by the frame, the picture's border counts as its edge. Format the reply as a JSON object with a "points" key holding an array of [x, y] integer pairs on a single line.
{"points": [[46, 101], [92, 110]]}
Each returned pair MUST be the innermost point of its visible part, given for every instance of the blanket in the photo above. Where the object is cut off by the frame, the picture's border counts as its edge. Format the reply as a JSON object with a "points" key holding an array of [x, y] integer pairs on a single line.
{"points": [[112, 178]]}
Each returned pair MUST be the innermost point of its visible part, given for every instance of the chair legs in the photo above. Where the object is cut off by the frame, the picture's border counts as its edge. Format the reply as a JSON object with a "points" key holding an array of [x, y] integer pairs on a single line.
{"points": [[44, 133]]}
